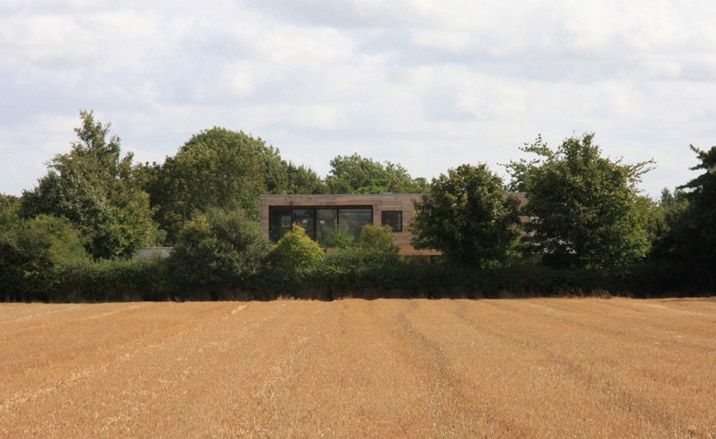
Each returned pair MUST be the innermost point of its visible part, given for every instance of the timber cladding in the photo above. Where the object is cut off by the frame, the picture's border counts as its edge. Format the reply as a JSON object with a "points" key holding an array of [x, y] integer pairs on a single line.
{"points": [[404, 203]]}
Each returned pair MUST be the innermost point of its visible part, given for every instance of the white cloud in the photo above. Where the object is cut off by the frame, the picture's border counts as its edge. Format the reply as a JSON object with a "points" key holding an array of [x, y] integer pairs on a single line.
{"points": [[428, 84]]}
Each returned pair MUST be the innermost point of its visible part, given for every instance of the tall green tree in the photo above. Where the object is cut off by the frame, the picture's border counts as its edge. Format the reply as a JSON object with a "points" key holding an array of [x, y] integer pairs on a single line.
{"points": [[584, 208], [688, 244], [304, 180], [665, 212], [220, 168], [94, 187], [469, 216], [359, 175]]}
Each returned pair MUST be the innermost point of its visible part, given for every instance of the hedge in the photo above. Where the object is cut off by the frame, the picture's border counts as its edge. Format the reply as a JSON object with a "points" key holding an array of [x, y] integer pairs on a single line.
{"points": [[351, 274]]}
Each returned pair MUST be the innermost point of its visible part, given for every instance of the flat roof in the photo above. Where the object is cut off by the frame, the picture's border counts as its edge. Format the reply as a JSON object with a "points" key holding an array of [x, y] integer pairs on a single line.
{"points": [[384, 194]]}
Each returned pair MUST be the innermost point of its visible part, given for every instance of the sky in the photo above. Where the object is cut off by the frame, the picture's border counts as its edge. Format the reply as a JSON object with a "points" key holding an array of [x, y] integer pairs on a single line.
{"points": [[428, 84]]}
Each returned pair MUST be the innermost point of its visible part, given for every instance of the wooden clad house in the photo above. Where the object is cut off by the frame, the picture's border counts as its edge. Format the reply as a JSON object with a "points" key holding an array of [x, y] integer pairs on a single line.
{"points": [[322, 215]]}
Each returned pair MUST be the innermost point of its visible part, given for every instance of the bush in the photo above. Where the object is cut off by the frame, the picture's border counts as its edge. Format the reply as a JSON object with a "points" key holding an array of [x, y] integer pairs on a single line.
{"points": [[295, 252], [31, 250], [12, 262], [114, 280], [339, 239], [377, 239], [218, 250], [371, 263], [60, 238]]}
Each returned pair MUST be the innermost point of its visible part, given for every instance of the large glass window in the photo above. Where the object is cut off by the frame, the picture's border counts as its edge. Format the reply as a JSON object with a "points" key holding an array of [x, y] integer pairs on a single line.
{"points": [[392, 219], [279, 222], [305, 218], [352, 221], [320, 224], [326, 224]]}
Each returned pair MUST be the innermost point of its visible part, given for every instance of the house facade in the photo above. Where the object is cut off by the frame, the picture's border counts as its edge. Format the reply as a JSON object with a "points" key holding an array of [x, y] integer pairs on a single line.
{"points": [[323, 215]]}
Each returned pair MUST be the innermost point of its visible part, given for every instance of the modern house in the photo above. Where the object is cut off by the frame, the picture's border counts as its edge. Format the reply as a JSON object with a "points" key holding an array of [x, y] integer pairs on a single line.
{"points": [[322, 215]]}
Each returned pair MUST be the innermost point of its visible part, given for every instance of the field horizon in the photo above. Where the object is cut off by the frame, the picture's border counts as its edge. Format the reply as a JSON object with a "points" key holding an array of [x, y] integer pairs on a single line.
{"points": [[613, 367]]}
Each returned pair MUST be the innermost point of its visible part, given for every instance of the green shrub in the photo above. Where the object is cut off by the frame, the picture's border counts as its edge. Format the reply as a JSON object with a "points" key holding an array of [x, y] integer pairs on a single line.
{"points": [[218, 250], [12, 262], [31, 250], [115, 280], [291, 266], [377, 239], [61, 239], [295, 252], [339, 239]]}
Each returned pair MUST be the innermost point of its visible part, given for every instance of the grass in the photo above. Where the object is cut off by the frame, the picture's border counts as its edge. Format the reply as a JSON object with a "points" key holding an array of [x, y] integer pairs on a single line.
{"points": [[509, 368]]}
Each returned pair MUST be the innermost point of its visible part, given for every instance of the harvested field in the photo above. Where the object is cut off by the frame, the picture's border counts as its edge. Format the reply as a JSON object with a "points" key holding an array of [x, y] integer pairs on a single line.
{"points": [[507, 368]]}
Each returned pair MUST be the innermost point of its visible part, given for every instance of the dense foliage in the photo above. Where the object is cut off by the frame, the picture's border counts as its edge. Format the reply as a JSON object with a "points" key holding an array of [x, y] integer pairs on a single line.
{"points": [[220, 168], [687, 245], [584, 208], [359, 175], [468, 216], [589, 229], [304, 180], [295, 252], [216, 168], [377, 239], [218, 250], [95, 188], [31, 251]]}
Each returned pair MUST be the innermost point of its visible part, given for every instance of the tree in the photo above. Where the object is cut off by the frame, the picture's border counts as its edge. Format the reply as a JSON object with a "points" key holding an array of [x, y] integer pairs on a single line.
{"points": [[218, 250], [94, 187], [584, 208], [303, 180], [219, 168], [469, 216], [358, 175], [9, 212], [688, 244], [663, 213]]}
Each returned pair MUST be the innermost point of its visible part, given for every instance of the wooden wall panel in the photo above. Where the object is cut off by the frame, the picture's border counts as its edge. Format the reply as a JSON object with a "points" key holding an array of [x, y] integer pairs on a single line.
{"points": [[379, 203]]}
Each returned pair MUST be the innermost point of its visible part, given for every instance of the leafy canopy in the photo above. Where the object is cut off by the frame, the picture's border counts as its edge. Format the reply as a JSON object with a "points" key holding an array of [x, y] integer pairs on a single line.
{"points": [[377, 239], [31, 249], [468, 216], [688, 244], [9, 212], [584, 208], [304, 180], [218, 249], [220, 168], [358, 175], [94, 187]]}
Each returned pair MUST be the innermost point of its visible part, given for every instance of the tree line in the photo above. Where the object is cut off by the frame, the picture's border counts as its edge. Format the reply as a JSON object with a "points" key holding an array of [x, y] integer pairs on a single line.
{"points": [[585, 214]]}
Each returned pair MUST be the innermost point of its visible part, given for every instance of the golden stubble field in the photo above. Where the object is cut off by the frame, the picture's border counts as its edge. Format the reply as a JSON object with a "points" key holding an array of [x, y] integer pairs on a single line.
{"points": [[384, 368]]}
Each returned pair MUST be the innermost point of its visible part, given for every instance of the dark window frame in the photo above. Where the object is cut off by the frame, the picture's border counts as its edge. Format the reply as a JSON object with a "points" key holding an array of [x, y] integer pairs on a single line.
{"points": [[314, 208], [383, 221]]}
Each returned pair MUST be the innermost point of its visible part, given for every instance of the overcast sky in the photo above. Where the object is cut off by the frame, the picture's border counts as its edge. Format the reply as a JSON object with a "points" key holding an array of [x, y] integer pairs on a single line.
{"points": [[428, 84]]}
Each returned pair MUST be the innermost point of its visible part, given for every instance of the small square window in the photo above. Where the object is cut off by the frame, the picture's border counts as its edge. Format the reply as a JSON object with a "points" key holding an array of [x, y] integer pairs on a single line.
{"points": [[393, 219]]}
